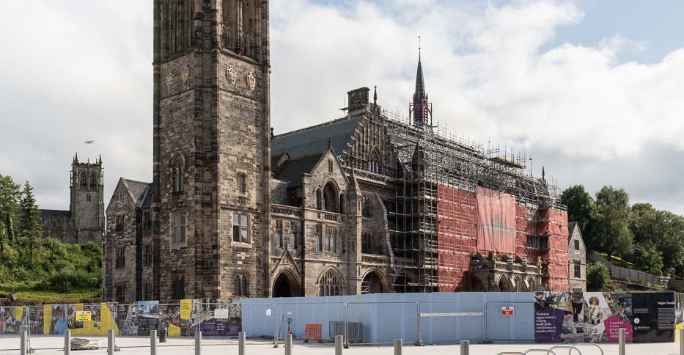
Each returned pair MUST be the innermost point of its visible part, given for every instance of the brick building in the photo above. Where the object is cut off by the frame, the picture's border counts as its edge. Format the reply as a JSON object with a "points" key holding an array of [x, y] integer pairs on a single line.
{"points": [[85, 220], [364, 203]]}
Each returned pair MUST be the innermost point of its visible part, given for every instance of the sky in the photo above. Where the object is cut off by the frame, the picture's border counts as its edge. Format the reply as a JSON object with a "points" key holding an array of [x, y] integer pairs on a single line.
{"points": [[593, 90]]}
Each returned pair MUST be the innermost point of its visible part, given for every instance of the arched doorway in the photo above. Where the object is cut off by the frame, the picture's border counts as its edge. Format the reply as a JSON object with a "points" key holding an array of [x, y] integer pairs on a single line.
{"points": [[284, 287], [372, 283]]}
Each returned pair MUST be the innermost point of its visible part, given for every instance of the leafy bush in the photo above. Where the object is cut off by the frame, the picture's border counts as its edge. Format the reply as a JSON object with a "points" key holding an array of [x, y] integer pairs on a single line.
{"points": [[598, 277]]}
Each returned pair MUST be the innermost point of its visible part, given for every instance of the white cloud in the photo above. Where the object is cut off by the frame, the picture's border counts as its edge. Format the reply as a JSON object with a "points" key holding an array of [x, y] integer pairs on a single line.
{"points": [[493, 72]]}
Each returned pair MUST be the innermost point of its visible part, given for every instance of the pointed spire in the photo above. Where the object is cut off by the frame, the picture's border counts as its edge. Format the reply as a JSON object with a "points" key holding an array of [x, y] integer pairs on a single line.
{"points": [[421, 107], [375, 95]]}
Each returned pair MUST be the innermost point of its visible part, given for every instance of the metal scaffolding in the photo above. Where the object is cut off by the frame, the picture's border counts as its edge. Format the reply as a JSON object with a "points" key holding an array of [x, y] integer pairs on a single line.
{"points": [[429, 159]]}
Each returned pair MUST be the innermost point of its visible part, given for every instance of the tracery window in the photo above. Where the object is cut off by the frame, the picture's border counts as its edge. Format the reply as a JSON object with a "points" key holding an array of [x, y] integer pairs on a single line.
{"points": [[330, 284]]}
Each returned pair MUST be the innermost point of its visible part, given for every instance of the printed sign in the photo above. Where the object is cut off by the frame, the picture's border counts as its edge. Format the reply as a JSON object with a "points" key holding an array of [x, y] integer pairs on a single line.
{"points": [[596, 317], [84, 316], [185, 309], [507, 311]]}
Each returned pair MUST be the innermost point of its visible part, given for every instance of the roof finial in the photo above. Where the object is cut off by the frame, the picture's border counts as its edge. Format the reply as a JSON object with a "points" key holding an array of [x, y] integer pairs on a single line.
{"points": [[419, 47], [375, 95]]}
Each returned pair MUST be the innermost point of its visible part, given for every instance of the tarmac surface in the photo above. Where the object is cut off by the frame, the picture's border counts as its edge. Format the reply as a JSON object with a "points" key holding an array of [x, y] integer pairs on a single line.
{"points": [[213, 346]]}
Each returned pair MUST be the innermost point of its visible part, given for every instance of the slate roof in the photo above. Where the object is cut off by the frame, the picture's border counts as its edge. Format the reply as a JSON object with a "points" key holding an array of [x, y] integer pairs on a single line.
{"points": [[304, 147], [312, 141], [137, 188]]}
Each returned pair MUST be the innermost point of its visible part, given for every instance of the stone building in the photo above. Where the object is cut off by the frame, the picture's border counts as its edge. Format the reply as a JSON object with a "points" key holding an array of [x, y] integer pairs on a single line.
{"points": [[363, 203], [85, 220], [577, 263]]}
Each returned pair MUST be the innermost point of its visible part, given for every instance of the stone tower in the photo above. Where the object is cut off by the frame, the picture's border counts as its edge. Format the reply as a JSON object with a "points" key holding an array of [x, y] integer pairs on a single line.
{"points": [[211, 148], [87, 201]]}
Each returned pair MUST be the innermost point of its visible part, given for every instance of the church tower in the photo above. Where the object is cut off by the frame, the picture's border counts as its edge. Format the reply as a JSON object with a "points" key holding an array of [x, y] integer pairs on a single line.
{"points": [[211, 148], [87, 201]]}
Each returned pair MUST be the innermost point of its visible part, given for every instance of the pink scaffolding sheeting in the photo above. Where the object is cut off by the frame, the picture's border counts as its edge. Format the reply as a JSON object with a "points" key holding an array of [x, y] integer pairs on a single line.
{"points": [[496, 221]]}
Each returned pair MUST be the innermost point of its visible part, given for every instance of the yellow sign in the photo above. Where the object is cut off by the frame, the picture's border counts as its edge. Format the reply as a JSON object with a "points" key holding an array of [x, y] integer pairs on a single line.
{"points": [[83, 316], [19, 314], [185, 309]]}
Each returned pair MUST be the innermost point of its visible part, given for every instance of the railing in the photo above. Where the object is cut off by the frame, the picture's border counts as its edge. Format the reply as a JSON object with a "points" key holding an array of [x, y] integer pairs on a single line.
{"points": [[287, 210], [632, 276]]}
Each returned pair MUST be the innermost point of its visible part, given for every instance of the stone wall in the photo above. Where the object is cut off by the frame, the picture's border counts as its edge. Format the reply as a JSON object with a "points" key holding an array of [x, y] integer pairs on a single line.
{"points": [[121, 276]]}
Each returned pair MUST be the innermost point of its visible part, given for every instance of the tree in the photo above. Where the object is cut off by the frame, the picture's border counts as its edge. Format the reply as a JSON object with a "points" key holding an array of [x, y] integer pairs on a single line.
{"points": [[597, 276], [610, 232], [643, 222], [580, 205], [669, 239], [30, 225], [9, 197], [648, 258]]}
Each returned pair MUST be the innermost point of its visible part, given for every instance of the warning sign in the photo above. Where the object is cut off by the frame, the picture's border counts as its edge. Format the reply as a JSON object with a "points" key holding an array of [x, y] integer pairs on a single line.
{"points": [[84, 316], [507, 311]]}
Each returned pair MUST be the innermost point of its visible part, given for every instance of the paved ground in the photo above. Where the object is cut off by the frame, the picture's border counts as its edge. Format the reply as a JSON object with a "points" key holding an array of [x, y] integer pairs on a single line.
{"points": [[131, 346]]}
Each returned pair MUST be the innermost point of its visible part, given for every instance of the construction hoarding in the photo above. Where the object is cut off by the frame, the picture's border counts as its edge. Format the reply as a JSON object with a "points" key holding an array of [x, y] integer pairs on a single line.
{"points": [[596, 317]]}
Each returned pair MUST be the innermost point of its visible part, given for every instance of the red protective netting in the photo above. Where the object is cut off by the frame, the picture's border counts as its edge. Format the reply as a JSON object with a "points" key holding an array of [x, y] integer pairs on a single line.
{"points": [[496, 221]]}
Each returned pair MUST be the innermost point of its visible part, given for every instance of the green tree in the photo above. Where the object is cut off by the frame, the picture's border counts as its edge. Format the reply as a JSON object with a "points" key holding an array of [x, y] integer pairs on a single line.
{"points": [[644, 222], [598, 277], [610, 232], [580, 205], [669, 240], [30, 227], [648, 258], [9, 197]]}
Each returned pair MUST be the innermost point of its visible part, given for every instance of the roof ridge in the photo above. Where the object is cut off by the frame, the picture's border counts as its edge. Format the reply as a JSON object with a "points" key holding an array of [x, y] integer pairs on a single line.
{"points": [[311, 127], [137, 181]]}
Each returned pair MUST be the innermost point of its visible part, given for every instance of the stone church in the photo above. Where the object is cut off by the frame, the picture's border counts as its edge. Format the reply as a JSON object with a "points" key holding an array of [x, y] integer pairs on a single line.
{"points": [[85, 220], [363, 203]]}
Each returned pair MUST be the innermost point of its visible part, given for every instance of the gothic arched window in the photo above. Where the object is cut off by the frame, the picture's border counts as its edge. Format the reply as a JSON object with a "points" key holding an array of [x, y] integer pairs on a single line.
{"points": [[330, 284], [330, 197], [84, 179], [319, 199]]}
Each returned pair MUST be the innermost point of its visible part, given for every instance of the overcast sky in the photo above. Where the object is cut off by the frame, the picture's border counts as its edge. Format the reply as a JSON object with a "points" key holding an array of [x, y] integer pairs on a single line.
{"points": [[592, 89]]}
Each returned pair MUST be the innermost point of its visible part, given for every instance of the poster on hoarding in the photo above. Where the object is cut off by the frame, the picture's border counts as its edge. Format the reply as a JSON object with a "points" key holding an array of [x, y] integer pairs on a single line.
{"points": [[9, 322], [596, 317]]}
